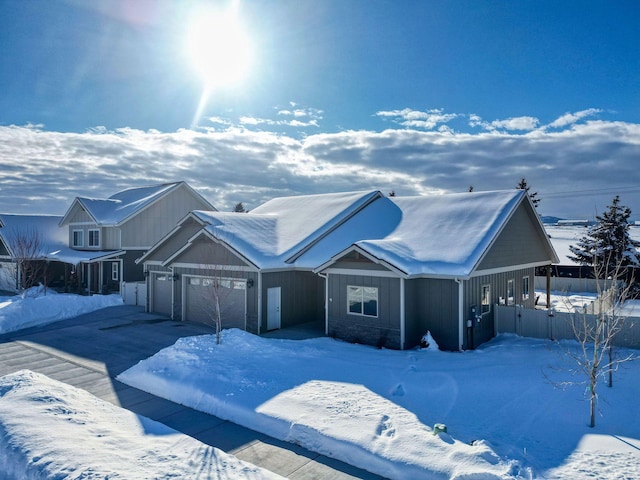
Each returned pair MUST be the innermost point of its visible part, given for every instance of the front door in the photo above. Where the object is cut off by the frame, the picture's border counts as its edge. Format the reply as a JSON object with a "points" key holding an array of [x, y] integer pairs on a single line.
{"points": [[273, 308]]}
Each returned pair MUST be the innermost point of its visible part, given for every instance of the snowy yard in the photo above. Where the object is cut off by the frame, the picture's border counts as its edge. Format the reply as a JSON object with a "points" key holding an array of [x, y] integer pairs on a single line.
{"points": [[372, 408], [377, 408]]}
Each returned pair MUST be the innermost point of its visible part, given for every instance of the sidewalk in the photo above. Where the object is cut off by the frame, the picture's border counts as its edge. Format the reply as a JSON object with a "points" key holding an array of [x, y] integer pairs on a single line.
{"points": [[89, 351]]}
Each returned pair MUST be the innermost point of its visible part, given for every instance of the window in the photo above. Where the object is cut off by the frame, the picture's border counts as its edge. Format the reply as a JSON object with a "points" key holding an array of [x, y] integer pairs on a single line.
{"points": [[94, 238], [78, 238], [510, 294], [485, 302], [362, 301], [525, 288], [115, 270]]}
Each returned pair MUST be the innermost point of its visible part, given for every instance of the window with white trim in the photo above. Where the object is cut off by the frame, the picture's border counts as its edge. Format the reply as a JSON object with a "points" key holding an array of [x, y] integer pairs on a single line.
{"points": [[362, 301], [78, 238], [485, 299], [115, 271], [94, 238], [511, 299], [525, 288]]}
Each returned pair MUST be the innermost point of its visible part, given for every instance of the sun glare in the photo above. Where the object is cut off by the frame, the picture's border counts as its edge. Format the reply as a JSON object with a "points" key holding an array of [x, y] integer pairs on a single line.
{"points": [[218, 47]]}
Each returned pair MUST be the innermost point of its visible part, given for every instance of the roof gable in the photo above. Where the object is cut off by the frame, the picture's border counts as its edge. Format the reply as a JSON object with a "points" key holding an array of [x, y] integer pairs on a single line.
{"points": [[273, 234], [436, 235], [124, 205]]}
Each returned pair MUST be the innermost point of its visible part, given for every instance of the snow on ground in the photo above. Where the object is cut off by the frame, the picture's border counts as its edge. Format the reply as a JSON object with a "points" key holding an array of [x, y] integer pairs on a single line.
{"points": [[569, 302], [35, 308], [51, 430], [377, 408]]}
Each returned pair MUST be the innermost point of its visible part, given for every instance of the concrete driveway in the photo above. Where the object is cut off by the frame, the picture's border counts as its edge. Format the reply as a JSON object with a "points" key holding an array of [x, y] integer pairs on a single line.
{"points": [[89, 351]]}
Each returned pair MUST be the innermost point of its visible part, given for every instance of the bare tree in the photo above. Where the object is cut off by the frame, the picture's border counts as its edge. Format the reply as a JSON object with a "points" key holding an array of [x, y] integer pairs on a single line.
{"points": [[219, 287], [594, 359], [28, 251]]}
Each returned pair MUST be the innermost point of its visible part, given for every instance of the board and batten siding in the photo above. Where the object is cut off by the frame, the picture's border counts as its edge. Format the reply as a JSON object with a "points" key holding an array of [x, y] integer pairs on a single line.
{"points": [[484, 328], [432, 305], [383, 330], [150, 225], [302, 297], [80, 215], [519, 243], [175, 242], [205, 252]]}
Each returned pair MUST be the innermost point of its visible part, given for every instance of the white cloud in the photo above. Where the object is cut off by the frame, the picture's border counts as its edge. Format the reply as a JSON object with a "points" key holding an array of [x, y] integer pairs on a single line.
{"points": [[43, 170], [516, 123], [524, 123], [426, 120], [571, 118]]}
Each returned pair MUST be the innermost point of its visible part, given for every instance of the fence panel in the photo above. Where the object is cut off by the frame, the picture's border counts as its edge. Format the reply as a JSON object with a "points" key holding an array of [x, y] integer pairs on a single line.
{"points": [[134, 293], [539, 324]]}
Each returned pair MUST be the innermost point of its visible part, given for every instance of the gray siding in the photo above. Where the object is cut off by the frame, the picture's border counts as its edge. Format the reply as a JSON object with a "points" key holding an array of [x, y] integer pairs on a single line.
{"points": [[431, 305], [79, 215], [151, 224], [520, 242], [206, 252], [383, 330], [111, 238], [302, 297], [483, 328], [175, 242], [354, 261]]}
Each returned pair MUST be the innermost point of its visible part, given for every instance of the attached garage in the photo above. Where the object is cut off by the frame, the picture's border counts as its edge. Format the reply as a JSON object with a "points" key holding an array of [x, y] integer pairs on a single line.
{"points": [[161, 287], [199, 300]]}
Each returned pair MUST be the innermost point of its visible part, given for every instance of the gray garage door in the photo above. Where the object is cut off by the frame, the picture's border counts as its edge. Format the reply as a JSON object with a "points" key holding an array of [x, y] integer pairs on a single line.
{"points": [[200, 300], [161, 286]]}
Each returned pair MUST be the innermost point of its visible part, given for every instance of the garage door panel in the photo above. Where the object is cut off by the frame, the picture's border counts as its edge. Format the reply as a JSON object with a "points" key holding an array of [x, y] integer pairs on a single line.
{"points": [[200, 301]]}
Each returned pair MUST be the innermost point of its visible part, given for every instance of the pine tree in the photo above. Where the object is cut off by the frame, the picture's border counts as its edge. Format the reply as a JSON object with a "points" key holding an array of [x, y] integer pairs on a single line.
{"points": [[607, 242], [533, 196], [239, 208]]}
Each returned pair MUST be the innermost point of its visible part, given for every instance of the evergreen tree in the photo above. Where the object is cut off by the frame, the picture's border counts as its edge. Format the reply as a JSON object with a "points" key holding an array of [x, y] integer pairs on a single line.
{"points": [[239, 208], [533, 196], [607, 243]]}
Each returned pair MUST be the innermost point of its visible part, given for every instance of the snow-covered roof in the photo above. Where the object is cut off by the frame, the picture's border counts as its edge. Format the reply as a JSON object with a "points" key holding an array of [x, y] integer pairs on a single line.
{"points": [[122, 205], [273, 234], [54, 239], [439, 235], [434, 235]]}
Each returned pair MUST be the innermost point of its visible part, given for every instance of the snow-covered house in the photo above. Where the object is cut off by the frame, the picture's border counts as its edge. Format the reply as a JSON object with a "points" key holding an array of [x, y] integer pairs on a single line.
{"points": [[375, 269], [111, 233], [253, 256], [37, 236], [440, 266]]}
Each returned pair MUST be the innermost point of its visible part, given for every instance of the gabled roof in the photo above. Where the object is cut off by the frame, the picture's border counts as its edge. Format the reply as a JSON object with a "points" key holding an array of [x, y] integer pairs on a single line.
{"points": [[122, 206], [274, 234], [435, 235], [53, 239]]}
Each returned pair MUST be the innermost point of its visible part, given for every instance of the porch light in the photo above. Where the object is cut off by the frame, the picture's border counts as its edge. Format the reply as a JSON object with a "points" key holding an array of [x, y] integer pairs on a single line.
{"points": [[250, 283]]}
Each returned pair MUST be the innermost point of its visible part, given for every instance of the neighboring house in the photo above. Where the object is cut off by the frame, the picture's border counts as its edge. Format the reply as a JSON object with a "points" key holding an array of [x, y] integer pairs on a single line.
{"points": [[113, 232], [35, 238], [377, 270]]}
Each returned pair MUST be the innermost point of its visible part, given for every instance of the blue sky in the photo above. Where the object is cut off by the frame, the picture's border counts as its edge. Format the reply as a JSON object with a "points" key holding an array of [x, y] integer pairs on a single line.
{"points": [[410, 96]]}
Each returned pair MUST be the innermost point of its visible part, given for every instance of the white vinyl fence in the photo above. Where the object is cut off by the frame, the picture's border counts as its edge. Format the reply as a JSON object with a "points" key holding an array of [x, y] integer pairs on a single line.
{"points": [[134, 293], [557, 326]]}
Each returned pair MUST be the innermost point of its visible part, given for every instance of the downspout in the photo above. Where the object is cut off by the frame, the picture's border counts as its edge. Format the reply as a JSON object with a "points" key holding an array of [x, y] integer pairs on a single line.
{"points": [[326, 301], [402, 317], [259, 300], [460, 313], [173, 293]]}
